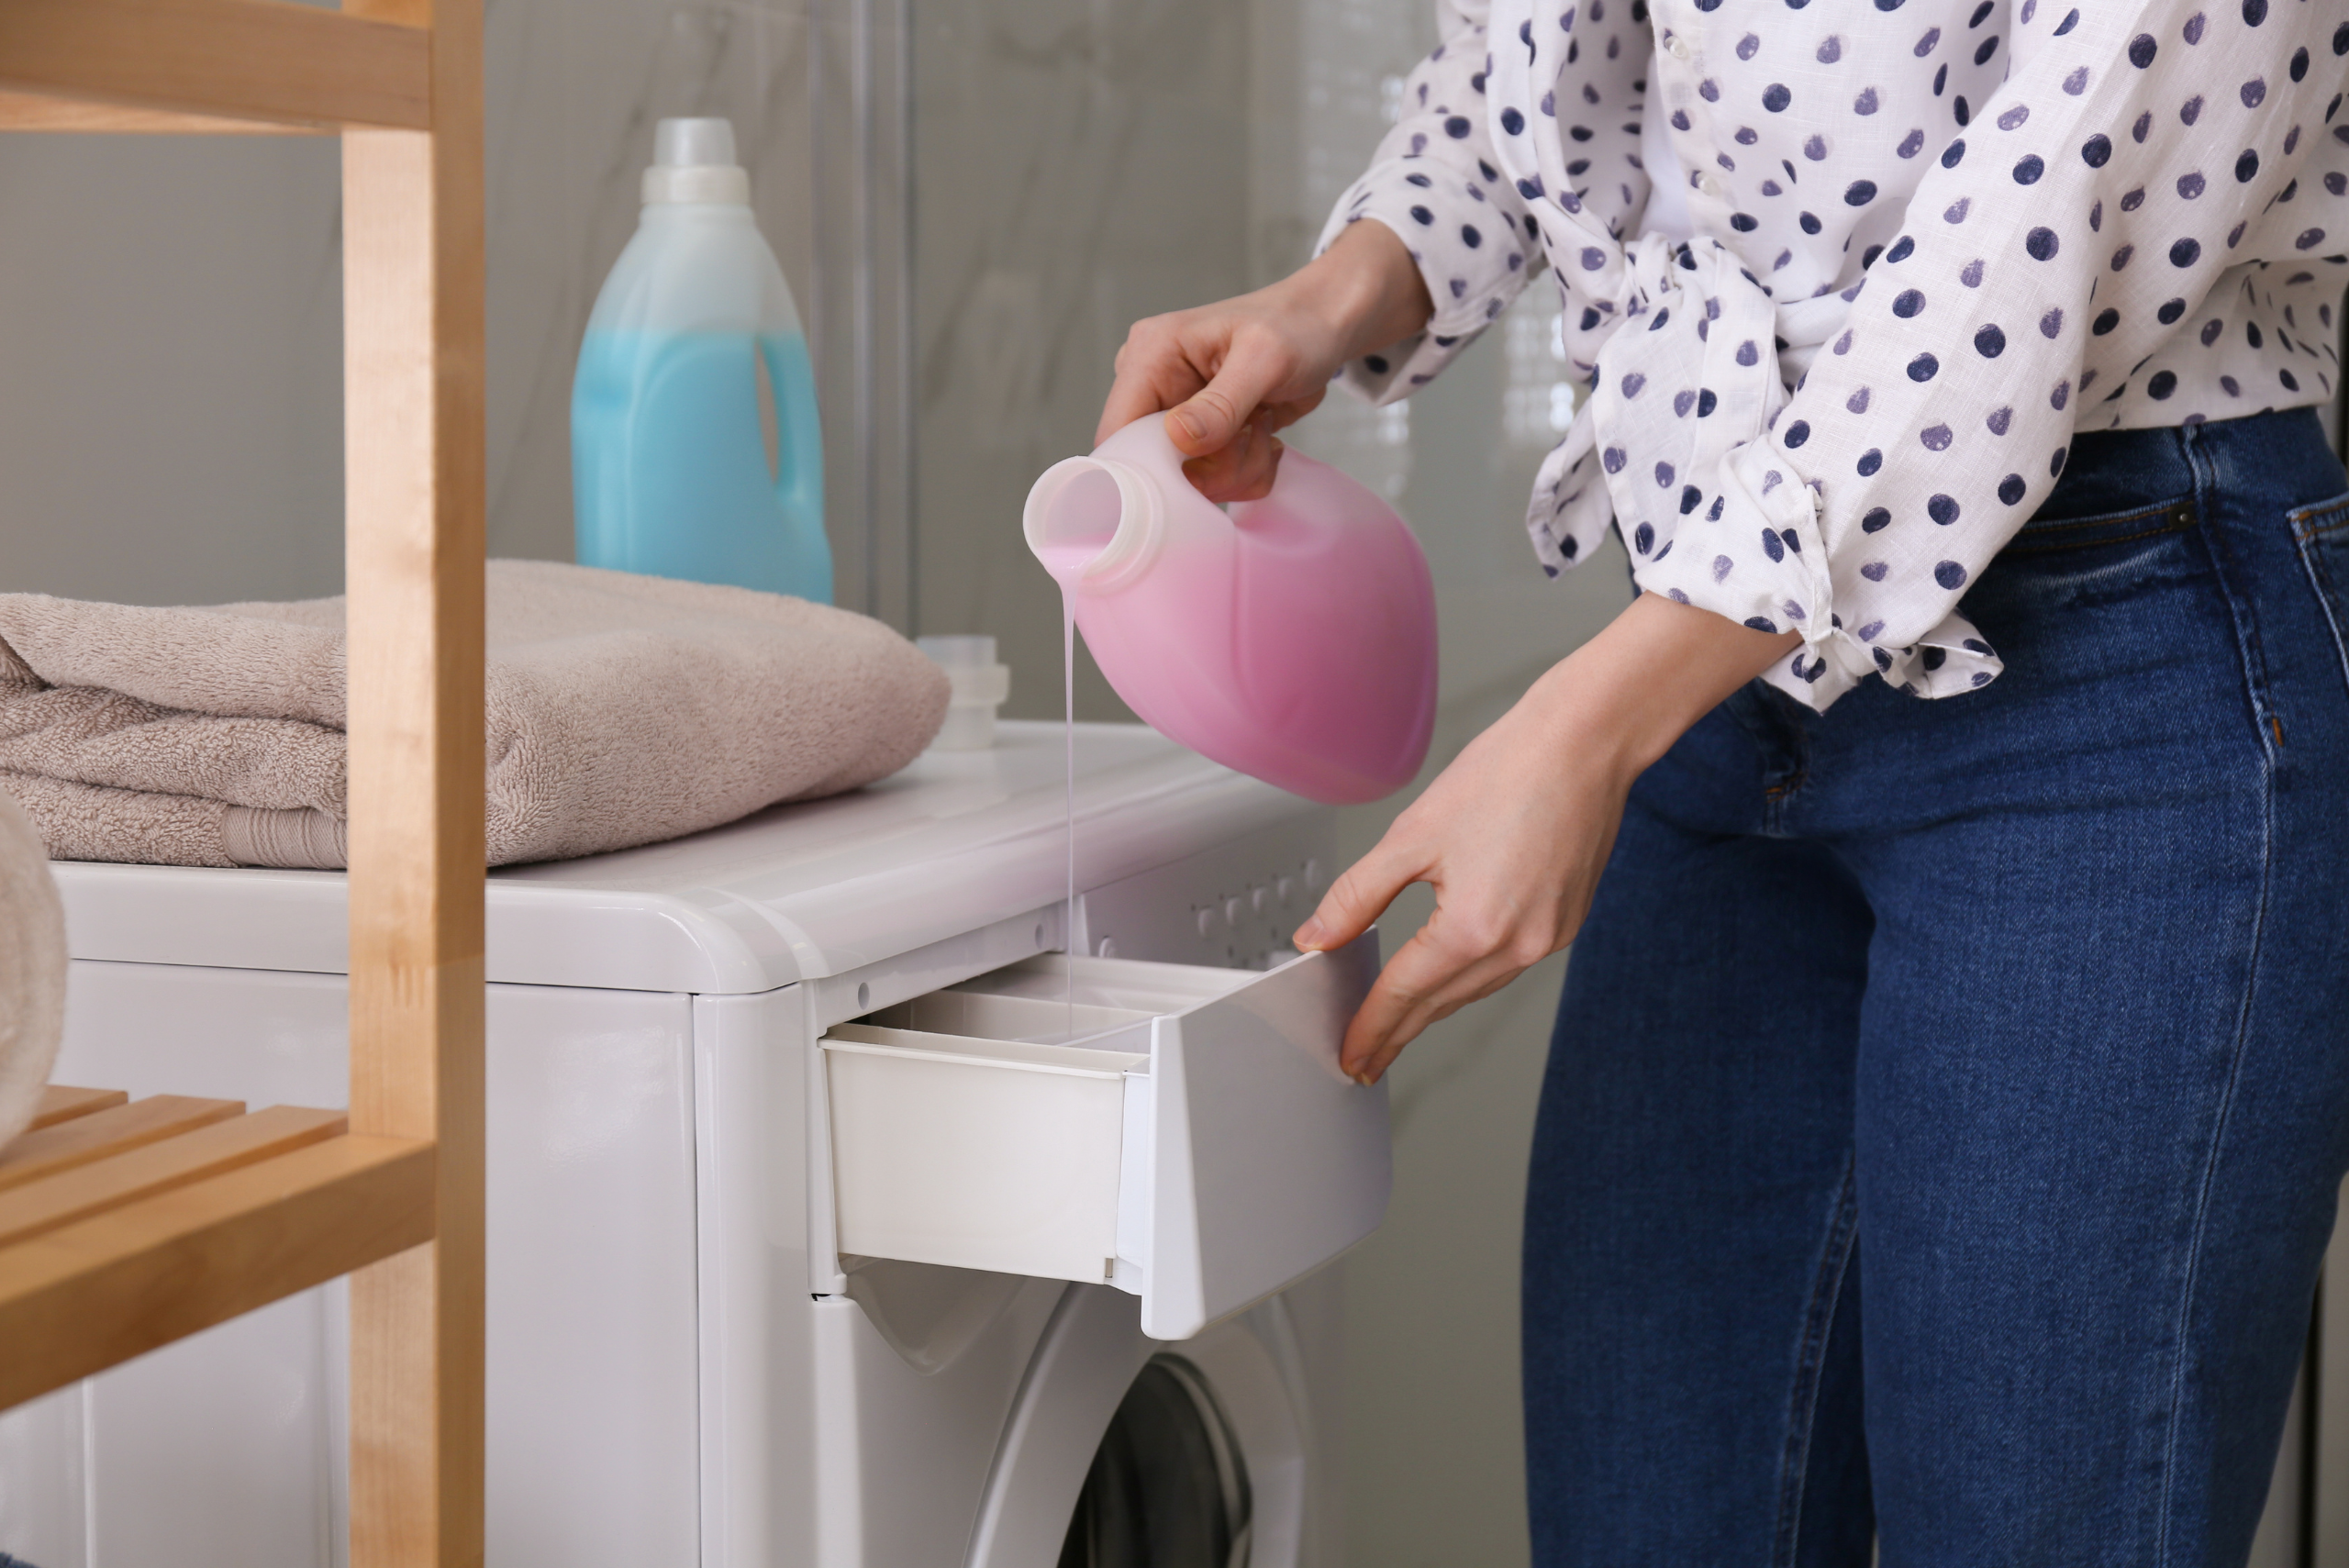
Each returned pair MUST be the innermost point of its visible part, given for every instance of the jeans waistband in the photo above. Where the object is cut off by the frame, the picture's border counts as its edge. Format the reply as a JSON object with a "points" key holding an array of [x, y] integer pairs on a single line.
{"points": [[2115, 471]]}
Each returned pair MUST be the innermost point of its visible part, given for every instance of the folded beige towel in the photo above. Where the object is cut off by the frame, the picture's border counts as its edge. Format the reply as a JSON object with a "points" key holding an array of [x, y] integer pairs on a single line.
{"points": [[623, 711], [33, 971]]}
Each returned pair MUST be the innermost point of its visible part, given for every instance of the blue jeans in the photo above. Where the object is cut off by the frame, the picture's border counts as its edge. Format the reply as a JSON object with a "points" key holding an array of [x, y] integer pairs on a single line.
{"points": [[1949, 1099]]}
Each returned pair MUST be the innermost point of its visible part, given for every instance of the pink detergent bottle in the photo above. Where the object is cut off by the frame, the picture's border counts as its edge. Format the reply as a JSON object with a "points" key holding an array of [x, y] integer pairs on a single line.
{"points": [[1292, 637]]}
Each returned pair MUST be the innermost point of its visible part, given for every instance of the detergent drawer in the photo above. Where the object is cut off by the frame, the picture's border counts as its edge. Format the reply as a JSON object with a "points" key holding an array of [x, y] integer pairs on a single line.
{"points": [[1183, 1133]]}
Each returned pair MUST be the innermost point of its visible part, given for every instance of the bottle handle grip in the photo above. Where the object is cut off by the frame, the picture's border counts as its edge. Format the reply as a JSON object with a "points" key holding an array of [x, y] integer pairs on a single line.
{"points": [[799, 446]]}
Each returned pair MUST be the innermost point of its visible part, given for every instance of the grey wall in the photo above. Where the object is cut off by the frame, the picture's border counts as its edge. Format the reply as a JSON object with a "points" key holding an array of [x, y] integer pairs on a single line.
{"points": [[171, 409]]}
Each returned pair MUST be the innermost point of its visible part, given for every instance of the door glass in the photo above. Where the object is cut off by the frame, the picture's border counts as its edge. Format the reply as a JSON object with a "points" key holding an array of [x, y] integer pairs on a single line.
{"points": [[1168, 1488]]}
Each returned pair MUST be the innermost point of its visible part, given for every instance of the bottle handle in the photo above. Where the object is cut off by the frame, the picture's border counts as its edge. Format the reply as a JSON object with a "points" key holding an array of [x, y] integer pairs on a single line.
{"points": [[799, 445]]}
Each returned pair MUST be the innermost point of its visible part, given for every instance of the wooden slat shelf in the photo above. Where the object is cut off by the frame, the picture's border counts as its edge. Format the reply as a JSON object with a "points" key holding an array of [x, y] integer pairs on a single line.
{"points": [[157, 1218], [136, 1172], [244, 59], [58, 1103], [86, 1139]]}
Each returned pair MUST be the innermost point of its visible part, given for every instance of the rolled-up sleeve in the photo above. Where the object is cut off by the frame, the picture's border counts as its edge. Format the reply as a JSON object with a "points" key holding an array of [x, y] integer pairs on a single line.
{"points": [[1435, 182]]}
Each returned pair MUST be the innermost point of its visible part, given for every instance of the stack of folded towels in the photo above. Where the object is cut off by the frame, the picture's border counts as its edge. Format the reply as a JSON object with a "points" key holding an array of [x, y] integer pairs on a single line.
{"points": [[621, 710]]}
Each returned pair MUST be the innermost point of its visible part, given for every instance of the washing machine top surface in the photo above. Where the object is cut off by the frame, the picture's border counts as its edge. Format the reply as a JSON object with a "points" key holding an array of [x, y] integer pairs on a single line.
{"points": [[956, 841]]}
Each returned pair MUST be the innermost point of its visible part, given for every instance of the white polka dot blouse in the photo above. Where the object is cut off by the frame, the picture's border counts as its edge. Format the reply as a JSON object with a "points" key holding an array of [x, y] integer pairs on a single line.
{"points": [[1846, 276]]}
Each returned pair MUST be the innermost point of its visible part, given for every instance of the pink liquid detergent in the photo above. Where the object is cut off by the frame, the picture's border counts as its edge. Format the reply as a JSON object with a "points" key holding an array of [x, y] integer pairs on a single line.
{"points": [[1068, 740], [1291, 639]]}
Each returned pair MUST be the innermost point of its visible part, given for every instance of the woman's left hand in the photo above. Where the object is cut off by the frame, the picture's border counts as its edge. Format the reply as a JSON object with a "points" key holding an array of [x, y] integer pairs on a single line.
{"points": [[1514, 834]]}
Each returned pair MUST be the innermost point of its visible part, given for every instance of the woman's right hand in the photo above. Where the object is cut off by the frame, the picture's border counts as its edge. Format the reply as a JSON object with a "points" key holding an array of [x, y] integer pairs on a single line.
{"points": [[1233, 373]]}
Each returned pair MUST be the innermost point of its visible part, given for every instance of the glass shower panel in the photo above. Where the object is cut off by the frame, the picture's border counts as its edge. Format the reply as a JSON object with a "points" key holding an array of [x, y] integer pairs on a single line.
{"points": [[814, 90], [1078, 164]]}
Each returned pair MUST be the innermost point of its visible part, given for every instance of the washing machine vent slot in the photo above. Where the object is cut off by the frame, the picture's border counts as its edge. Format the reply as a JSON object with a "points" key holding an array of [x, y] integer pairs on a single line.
{"points": [[1169, 1485]]}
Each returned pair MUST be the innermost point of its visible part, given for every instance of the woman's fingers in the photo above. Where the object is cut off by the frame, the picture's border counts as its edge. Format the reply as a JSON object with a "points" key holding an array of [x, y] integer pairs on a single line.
{"points": [[1184, 364], [1245, 470], [1212, 369], [1361, 896], [1412, 979], [1241, 471], [1251, 368], [1425, 981], [1151, 375], [1352, 904]]}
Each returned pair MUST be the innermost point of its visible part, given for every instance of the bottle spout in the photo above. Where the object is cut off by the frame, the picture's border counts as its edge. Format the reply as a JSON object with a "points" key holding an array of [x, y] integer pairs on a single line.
{"points": [[693, 161], [694, 143], [1093, 522]]}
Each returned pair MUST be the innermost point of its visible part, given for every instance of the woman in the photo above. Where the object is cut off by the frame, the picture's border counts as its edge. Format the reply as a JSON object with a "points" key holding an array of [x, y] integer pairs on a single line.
{"points": [[1951, 1088]]}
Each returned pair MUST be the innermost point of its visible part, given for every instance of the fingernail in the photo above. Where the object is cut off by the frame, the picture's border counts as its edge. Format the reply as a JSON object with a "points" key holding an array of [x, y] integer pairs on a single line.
{"points": [[1309, 935], [1188, 420]]}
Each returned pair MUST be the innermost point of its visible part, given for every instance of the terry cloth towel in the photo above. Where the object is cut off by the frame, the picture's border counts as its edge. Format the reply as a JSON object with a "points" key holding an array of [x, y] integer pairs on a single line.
{"points": [[621, 710], [32, 973]]}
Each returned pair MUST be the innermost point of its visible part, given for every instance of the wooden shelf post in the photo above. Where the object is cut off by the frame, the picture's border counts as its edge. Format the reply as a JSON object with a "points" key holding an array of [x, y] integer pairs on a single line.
{"points": [[415, 481]]}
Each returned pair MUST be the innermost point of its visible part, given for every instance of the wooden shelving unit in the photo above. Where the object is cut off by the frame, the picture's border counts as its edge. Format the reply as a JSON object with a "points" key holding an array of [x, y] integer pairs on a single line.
{"points": [[123, 1226]]}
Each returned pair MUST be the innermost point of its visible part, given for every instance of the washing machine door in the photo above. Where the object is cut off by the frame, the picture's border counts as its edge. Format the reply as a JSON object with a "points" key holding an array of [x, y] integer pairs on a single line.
{"points": [[1169, 1481], [1125, 1451]]}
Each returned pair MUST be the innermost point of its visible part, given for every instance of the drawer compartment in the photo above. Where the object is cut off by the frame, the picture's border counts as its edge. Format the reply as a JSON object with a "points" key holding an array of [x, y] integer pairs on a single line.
{"points": [[981, 1153], [1183, 1133]]}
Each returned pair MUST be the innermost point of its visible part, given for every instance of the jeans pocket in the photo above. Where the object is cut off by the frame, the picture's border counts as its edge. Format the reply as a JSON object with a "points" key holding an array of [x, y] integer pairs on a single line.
{"points": [[2068, 564], [2322, 531], [2055, 536]]}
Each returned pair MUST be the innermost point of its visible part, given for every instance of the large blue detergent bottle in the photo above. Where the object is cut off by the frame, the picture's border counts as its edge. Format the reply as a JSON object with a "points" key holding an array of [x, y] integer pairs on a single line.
{"points": [[669, 465]]}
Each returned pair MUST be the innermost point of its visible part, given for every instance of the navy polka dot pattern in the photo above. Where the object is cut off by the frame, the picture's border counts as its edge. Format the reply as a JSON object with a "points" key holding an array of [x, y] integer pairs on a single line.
{"points": [[2130, 214]]}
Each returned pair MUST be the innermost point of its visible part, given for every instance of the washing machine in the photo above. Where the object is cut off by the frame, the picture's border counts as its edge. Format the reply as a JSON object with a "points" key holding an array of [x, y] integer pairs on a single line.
{"points": [[856, 1199]]}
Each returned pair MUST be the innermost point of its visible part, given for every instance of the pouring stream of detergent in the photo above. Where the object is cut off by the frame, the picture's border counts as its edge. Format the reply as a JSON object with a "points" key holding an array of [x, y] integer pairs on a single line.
{"points": [[1065, 563], [1291, 637]]}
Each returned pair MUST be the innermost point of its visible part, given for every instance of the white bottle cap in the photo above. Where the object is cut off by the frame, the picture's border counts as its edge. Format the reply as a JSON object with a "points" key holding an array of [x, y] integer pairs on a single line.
{"points": [[683, 143], [694, 162], [979, 685]]}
